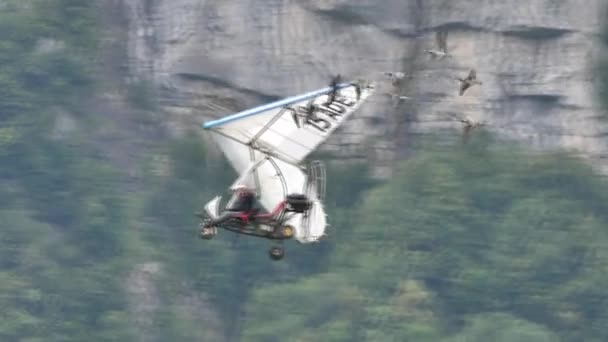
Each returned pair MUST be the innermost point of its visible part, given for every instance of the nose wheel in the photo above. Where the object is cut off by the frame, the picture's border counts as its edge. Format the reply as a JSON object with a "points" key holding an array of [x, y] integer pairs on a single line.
{"points": [[207, 233], [276, 252]]}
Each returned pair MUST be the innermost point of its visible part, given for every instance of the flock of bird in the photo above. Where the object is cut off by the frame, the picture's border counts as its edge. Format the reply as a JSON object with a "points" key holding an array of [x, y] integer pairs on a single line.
{"points": [[465, 83]]}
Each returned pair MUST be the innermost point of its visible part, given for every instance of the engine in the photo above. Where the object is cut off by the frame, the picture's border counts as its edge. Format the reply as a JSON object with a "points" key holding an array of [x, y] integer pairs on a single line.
{"points": [[298, 203]]}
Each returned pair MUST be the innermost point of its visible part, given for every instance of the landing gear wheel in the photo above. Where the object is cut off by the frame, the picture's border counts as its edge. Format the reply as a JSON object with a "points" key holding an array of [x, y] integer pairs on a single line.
{"points": [[287, 231], [207, 233], [276, 253]]}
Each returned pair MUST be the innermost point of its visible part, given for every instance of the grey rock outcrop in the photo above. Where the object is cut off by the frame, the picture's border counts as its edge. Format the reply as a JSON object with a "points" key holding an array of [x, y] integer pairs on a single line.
{"points": [[535, 57]]}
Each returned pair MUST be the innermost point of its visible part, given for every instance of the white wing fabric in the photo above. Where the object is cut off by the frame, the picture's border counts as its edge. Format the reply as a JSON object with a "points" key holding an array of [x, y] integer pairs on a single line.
{"points": [[212, 207], [273, 129]]}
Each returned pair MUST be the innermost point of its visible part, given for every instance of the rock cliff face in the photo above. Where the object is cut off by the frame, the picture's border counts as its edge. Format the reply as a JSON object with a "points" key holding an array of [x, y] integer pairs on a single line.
{"points": [[534, 57]]}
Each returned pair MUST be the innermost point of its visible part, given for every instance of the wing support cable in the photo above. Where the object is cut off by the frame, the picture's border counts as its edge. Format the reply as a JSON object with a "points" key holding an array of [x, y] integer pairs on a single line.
{"points": [[267, 126], [261, 150]]}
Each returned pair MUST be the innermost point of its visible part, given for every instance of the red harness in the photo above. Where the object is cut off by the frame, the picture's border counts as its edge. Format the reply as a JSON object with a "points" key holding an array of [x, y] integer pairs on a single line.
{"points": [[246, 216]]}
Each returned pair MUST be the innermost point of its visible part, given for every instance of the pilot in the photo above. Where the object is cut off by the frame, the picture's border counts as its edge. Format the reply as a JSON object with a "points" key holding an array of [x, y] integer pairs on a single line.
{"points": [[244, 203]]}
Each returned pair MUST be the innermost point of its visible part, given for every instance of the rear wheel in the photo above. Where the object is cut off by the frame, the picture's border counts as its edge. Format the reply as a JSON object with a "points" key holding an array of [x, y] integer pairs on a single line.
{"points": [[287, 231], [276, 253]]}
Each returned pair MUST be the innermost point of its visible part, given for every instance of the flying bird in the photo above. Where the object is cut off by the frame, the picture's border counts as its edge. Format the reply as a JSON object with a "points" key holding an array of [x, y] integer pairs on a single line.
{"points": [[361, 84], [468, 126], [469, 81], [442, 44], [396, 77], [400, 97], [335, 81]]}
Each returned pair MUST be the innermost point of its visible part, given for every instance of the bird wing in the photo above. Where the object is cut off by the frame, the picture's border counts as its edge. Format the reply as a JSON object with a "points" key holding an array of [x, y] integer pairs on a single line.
{"points": [[443, 41], [463, 87], [438, 39]]}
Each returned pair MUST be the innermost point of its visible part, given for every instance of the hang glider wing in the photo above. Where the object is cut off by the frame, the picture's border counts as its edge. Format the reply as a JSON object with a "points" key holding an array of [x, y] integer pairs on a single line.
{"points": [[292, 128]]}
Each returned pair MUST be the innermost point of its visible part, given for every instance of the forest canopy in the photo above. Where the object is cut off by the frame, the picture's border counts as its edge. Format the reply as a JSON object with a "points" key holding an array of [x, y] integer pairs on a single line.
{"points": [[458, 242]]}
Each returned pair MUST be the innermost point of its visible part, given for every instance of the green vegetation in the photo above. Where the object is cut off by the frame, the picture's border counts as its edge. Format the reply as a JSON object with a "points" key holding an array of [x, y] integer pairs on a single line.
{"points": [[455, 236], [63, 237], [482, 242]]}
